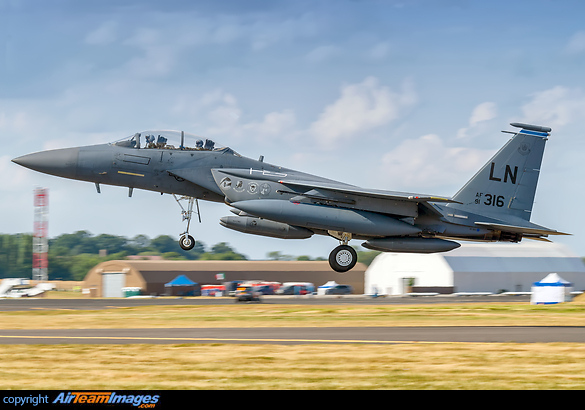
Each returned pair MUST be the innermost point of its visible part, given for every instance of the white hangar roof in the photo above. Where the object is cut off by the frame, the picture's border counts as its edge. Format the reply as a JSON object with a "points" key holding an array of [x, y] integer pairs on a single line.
{"points": [[521, 257], [523, 249], [476, 267]]}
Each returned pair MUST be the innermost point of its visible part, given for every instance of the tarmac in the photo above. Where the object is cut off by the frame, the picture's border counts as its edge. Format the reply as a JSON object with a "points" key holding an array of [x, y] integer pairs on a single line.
{"points": [[299, 335], [281, 335], [23, 304]]}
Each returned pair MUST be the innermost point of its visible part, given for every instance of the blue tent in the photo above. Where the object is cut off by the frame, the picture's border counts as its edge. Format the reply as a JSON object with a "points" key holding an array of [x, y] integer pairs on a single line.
{"points": [[180, 280], [182, 286]]}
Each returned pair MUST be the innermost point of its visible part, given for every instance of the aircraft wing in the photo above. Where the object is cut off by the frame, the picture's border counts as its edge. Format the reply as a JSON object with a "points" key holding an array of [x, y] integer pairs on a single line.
{"points": [[370, 193], [330, 185], [533, 230]]}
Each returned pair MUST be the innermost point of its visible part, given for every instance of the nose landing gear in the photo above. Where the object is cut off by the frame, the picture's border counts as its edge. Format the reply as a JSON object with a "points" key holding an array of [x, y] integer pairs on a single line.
{"points": [[344, 257], [186, 241]]}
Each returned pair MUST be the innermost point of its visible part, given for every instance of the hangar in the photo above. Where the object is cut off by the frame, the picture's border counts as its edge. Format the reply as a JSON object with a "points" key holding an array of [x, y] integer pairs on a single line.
{"points": [[108, 278], [474, 267]]}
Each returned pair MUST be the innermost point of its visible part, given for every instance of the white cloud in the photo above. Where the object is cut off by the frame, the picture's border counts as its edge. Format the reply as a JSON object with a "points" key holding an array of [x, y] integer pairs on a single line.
{"points": [[576, 44], [158, 54], [483, 112], [222, 115], [323, 53], [103, 35], [19, 176], [13, 122], [360, 108], [426, 163], [379, 51], [273, 125], [557, 106], [223, 112]]}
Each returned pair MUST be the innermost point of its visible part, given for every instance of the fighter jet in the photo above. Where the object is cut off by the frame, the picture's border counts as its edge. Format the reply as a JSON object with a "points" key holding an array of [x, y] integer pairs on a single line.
{"points": [[269, 200]]}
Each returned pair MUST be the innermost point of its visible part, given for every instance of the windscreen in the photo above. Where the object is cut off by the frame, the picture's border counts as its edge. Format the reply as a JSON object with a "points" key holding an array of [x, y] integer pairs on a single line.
{"points": [[175, 140]]}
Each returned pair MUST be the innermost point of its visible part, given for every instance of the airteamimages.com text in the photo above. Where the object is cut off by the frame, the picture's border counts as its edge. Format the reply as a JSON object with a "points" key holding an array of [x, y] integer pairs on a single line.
{"points": [[82, 398]]}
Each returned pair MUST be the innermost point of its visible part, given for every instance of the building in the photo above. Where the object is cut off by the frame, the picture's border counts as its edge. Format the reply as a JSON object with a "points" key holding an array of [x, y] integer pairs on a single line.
{"points": [[108, 278], [474, 267]]}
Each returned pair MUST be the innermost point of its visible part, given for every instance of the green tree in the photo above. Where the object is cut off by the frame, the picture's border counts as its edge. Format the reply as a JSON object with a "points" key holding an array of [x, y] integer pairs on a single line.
{"points": [[221, 247], [279, 256], [222, 251], [164, 243], [367, 257], [16, 255]]}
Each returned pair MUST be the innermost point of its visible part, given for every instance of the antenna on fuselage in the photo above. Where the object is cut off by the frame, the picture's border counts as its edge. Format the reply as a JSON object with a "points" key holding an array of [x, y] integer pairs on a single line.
{"points": [[182, 140]]}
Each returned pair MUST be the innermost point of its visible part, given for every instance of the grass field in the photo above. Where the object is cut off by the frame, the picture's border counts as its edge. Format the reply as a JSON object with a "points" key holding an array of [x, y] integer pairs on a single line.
{"points": [[254, 315], [409, 366], [223, 366]]}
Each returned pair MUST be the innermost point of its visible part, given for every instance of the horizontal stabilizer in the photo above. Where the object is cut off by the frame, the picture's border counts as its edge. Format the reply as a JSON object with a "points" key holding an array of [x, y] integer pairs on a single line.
{"points": [[521, 229], [536, 238]]}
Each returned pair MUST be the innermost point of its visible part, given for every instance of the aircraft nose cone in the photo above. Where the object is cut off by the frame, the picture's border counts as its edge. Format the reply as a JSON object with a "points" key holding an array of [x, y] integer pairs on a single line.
{"points": [[59, 162]]}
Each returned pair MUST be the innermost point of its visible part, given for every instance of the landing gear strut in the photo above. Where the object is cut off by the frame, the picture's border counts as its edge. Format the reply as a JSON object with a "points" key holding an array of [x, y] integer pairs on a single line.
{"points": [[344, 257], [186, 241]]}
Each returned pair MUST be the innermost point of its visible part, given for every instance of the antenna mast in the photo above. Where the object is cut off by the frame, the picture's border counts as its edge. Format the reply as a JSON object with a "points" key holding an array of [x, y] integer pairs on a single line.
{"points": [[40, 249]]}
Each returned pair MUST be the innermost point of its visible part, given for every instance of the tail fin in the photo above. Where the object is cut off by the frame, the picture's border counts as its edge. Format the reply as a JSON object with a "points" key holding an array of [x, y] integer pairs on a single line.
{"points": [[506, 185]]}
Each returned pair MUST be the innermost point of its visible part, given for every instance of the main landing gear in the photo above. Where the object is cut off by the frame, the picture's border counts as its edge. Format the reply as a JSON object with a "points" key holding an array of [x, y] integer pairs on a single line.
{"points": [[344, 257], [186, 241]]}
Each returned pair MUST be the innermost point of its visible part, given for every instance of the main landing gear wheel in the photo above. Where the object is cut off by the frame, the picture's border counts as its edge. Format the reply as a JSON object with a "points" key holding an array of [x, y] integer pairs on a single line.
{"points": [[342, 258], [187, 242]]}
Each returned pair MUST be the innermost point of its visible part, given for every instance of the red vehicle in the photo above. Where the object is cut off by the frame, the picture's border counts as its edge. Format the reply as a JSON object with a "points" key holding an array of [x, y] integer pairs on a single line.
{"points": [[212, 290]]}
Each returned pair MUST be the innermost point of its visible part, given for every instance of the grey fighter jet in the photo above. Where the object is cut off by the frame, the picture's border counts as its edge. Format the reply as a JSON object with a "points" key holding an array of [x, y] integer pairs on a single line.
{"points": [[495, 205]]}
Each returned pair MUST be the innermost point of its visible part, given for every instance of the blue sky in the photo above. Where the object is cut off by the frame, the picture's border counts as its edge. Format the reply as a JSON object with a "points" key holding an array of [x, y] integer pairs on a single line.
{"points": [[397, 95]]}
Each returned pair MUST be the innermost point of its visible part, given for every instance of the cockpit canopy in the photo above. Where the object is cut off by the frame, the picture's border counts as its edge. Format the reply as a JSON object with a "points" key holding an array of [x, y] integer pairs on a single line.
{"points": [[176, 140]]}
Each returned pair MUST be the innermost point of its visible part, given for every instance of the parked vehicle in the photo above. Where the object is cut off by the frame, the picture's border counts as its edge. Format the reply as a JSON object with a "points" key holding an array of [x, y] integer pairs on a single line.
{"points": [[339, 290], [231, 287], [212, 290], [247, 293], [296, 290]]}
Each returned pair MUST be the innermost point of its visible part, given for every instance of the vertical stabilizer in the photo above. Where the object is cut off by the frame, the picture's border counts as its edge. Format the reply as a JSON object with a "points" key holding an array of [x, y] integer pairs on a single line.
{"points": [[506, 185]]}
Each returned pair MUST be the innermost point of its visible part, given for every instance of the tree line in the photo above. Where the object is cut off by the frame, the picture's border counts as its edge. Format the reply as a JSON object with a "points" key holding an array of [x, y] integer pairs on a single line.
{"points": [[71, 256]]}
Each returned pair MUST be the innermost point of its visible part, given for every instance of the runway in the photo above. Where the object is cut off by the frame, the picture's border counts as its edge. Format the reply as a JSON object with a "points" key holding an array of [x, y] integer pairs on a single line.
{"points": [[280, 335], [299, 335], [23, 304]]}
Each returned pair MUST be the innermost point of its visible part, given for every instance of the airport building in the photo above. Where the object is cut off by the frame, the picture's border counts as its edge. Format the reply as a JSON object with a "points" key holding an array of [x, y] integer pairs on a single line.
{"points": [[474, 267], [108, 279]]}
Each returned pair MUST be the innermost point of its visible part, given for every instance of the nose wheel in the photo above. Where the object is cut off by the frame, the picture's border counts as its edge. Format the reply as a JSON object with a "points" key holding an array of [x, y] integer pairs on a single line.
{"points": [[186, 241]]}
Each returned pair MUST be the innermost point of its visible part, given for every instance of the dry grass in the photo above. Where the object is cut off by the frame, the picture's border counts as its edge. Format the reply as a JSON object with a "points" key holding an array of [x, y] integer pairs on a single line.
{"points": [[323, 366], [258, 315], [409, 366]]}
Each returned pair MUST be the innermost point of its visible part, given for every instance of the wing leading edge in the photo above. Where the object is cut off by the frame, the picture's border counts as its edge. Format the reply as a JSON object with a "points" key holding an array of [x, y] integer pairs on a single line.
{"points": [[371, 193]]}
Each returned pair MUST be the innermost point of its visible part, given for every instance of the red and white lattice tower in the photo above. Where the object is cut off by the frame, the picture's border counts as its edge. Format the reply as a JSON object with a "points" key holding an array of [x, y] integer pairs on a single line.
{"points": [[40, 236]]}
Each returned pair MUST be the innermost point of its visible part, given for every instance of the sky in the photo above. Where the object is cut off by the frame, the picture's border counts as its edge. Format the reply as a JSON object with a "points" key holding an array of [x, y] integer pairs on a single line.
{"points": [[396, 95]]}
